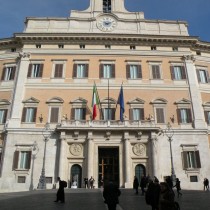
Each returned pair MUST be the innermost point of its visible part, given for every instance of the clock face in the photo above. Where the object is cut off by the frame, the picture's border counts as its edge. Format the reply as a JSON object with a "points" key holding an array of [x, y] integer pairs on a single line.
{"points": [[106, 23]]}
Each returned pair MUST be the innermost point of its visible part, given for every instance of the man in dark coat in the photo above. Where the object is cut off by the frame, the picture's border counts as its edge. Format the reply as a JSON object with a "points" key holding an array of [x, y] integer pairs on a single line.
{"points": [[136, 185], [143, 184], [60, 193], [111, 193]]}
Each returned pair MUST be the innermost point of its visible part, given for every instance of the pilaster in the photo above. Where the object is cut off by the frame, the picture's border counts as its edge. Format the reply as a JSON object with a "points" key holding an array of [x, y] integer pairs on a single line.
{"points": [[127, 145], [90, 155]]}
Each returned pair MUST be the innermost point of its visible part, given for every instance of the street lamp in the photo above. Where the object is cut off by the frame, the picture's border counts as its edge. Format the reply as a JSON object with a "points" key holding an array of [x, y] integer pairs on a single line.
{"points": [[169, 133], [35, 150], [46, 132]]}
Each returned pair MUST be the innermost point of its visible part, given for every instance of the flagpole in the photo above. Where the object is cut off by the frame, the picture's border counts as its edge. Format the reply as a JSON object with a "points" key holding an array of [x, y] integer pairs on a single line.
{"points": [[99, 105], [108, 101]]}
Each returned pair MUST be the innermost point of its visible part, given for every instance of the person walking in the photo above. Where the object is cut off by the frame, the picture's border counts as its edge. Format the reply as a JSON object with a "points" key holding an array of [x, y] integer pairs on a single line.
{"points": [[206, 184], [136, 185], [111, 195], [166, 199], [60, 196], [91, 181], [143, 184], [178, 187]]}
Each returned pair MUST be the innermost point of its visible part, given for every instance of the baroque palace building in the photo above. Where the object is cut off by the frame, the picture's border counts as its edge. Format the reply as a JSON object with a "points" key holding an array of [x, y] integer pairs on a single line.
{"points": [[47, 76]]}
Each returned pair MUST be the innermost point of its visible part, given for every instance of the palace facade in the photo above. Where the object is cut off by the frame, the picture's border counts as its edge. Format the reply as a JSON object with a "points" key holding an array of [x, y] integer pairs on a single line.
{"points": [[47, 77]]}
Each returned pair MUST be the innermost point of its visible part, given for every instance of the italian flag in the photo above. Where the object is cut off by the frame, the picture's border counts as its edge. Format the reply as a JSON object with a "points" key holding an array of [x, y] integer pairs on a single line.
{"points": [[95, 101]]}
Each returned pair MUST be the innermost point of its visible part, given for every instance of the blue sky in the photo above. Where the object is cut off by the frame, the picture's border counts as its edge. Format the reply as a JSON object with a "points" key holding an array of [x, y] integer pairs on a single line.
{"points": [[195, 12]]}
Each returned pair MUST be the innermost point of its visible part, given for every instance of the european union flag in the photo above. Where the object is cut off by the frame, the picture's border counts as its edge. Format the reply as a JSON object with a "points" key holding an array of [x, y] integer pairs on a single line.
{"points": [[121, 103]]}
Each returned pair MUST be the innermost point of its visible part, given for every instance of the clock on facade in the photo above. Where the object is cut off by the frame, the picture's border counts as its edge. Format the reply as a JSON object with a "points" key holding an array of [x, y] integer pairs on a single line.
{"points": [[106, 23]]}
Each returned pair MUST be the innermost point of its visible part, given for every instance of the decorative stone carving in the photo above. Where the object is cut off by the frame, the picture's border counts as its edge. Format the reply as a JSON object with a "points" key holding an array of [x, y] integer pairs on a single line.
{"points": [[24, 55], [139, 149], [189, 57], [76, 149]]}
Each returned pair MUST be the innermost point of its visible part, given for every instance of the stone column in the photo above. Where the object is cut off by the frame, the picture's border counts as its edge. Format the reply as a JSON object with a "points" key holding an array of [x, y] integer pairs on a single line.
{"points": [[153, 161], [127, 165], [62, 158], [19, 90], [90, 156], [197, 109]]}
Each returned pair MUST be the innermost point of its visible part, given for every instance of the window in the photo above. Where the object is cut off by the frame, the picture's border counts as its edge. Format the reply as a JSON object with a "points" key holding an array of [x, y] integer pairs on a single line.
{"points": [[54, 115], [8, 73], [38, 45], [60, 46], [193, 178], [184, 115], [22, 160], [109, 114], [137, 114], [191, 159], [178, 73], [108, 46], [48, 180], [175, 49], [207, 117], [107, 71], [132, 47], [82, 46], [134, 71], [80, 71], [160, 117], [21, 179], [78, 113], [107, 6], [3, 115], [29, 114], [35, 70], [153, 48], [203, 76], [13, 49], [58, 73], [156, 72]]}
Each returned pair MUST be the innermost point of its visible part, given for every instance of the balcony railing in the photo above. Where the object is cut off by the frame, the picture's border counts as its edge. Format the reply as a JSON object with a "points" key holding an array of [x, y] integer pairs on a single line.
{"points": [[105, 124]]}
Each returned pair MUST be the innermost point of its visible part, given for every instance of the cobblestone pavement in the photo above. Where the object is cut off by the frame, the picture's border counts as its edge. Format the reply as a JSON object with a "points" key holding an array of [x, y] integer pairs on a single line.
{"points": [[87, 199]]}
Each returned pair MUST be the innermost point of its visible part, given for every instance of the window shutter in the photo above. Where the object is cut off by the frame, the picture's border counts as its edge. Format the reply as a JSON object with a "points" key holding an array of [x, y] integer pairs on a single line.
{"points": [[29, 69], [113, 114], [84, 114], [183, 72], [15, 160], [3, 73], [189, 116], [41, 67], [5, 116], [101, 73], [172, 72], [28, 165], [184, 160], [160, 115], [13, 73], [23, 119], [72, 114], [113, 70], [141, 113], [54, 115], [86, 70], [206, 116], [156, 71], [131, 114], [179, 116], [128, 71], [58, 71], [197, 156], [34, 117], [139, 71], [74, 70], [198, 75]]}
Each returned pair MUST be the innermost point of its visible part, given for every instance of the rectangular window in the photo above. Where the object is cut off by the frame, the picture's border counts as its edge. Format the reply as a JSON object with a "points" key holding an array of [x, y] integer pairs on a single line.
{"points": [[109, 114], [191, 159], [58, 71], [134, 71], [8, 73], [54, 114], [107, 71], [160, 115], [107, 6], [178, 73], [35, 70], [48, 180], [193, 179], [3, 115], [137, 114], [21, 179], [203, 76], [29, 114], [156, 72], [184, 115], [80, 71], [22, 160], [79, 114]]}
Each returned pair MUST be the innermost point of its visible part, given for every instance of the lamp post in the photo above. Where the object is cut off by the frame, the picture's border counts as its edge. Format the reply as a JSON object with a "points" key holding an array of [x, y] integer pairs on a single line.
{"points": [[169, 133], [35, 150], [46, 132]]}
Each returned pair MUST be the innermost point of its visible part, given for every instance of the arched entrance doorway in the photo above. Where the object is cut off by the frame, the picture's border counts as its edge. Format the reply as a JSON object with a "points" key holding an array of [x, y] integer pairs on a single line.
{"points": [[140, 171], [76, 175]]}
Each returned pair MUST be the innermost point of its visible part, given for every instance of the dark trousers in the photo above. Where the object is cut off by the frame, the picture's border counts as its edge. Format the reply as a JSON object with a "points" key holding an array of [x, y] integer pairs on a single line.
{"points": [[60, 195], [112, 206]]}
